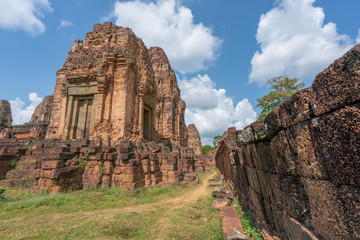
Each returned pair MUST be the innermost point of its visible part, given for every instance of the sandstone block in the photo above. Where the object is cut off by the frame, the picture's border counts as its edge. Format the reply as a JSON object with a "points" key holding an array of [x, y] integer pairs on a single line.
{"points": [[129, 170], [154, 168], [66, 172], [338, 85], [230, 220], [168, 167], [52, 164], [334, 209], [221, 202], [117, 170], [336, 143], [53, 156], [56, 150]]}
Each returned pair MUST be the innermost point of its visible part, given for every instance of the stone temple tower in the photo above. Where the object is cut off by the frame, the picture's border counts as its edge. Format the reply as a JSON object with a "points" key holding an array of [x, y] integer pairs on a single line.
{"points": [[112, 87]]}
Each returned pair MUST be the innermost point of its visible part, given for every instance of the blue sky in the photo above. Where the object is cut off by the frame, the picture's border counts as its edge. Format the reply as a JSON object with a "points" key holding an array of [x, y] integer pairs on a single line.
{"points": [[222, 51]]}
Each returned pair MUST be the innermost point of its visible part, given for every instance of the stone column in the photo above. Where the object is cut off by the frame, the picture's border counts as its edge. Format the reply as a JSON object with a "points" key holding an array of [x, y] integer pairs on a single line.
{"points": [[101, 102], [74, 119], [141, 116], [69, 113]]}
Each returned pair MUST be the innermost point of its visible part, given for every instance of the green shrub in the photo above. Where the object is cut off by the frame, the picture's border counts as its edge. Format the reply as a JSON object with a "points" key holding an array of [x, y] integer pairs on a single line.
{"points": [[101, 168], [13, 163]]}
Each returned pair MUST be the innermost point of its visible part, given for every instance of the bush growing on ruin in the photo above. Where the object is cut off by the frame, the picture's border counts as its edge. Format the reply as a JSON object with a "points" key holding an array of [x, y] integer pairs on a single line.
{"points": [[206, 148], [217, 138], [282, 88]]}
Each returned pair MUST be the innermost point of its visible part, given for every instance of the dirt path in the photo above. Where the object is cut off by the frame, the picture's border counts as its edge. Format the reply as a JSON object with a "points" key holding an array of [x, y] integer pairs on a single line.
{"points": [[171, 204], [182, 201], [175, 202]]}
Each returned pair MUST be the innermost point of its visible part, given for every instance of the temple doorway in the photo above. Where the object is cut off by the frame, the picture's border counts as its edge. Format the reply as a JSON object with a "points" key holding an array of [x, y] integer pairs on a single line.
{"points": [[82, 114], [147, 124]]}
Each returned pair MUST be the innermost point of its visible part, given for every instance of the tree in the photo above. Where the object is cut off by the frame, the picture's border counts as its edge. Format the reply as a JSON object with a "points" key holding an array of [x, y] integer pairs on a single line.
{"points": [[217, 138], [283, 87], [206, 148]]}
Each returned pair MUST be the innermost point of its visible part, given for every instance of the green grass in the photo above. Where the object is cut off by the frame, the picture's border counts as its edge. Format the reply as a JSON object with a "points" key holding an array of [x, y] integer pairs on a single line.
{"points": [[246, 222], [151, 213]]}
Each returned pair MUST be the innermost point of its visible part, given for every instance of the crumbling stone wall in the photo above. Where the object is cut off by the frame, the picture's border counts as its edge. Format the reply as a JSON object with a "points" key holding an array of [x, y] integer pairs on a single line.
{"points": [[58, 165], [298, 170]]}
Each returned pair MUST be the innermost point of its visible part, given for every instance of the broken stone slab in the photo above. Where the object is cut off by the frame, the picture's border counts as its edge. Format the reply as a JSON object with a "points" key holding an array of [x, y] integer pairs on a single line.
{"points": [[216, 194], [225, 190], [221, 202], [231, 224], [218, 184], [236, 235], [225, 195]]}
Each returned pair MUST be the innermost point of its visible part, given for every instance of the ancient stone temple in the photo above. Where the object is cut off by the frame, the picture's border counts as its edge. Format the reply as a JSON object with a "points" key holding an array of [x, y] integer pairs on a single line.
{"points": [[106, 89], [116, 119]]}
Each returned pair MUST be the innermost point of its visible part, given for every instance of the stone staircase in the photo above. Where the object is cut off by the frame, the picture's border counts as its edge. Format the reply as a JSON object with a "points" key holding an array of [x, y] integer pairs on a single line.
{"points": [[25, 174]]}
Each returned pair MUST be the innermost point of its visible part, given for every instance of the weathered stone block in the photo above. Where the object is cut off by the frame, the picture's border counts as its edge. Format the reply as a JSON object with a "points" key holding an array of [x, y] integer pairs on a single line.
{"points": [[296, 109], [52, 164], [29, 158], [334, 209], [66, 172], [301, 146], [261, 158], [23, 174], [154, 168], [129, 170], [53, 156], [47, 173], [338, 85], [168, 167], [336, 142], [117, 169], [296, 231], [56, 150], [230, 220], [281, 154], [108, 168]]}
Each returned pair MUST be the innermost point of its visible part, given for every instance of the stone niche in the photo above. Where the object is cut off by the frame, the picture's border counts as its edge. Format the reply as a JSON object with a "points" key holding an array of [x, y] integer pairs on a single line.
{"points": [[106, 89]]}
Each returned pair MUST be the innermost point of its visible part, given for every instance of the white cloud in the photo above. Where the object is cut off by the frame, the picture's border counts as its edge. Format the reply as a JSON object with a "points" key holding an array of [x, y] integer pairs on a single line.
{"points": [[22, 113], [211, 110], [65, 23], [295, 41], [358, 38], [24, 14], [190, 47]]}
